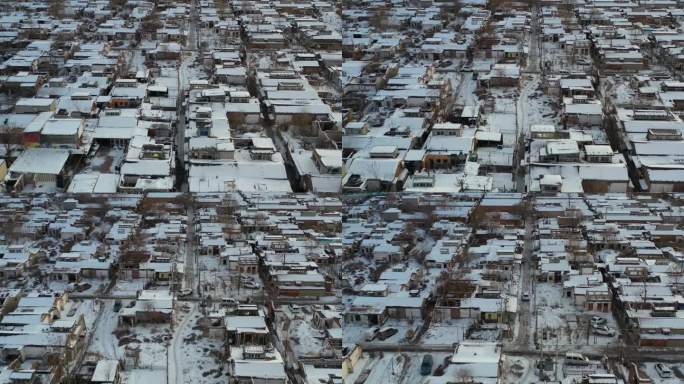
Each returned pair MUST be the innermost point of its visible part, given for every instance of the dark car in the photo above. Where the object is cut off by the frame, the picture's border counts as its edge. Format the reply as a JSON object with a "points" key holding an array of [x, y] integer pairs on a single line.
{"points": [[81, 287], [426, 365], [386, 333]]}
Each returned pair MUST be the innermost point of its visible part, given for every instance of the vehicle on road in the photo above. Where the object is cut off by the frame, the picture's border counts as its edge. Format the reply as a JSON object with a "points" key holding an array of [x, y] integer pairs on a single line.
{"points": [[117, 305], [574, 358], [526, 296], [426, 365]]}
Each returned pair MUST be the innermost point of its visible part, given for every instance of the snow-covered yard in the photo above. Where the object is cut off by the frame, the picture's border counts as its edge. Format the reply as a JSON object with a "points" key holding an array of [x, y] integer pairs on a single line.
{"points": [[446, 333], [128, 287], [561, 324], [195, 357]]}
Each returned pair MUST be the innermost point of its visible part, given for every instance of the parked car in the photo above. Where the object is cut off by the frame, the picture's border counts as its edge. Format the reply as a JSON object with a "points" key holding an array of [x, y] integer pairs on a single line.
{"points": [[663, 371], [372, 333], [185, 292], [597, 320], [526, 296], [426, 365], [574, 358], [80, 287], [229, 302], [117, 305], [251, 285], [603, 330], [386, 333]]}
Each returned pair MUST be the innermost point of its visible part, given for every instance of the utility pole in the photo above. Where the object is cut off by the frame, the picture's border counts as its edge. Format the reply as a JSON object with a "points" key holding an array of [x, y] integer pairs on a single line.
{"points": [[167, 362]]}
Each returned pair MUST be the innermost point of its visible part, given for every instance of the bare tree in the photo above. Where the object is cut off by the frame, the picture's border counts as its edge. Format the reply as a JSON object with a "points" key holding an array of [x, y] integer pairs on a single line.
{"points": [[117, 5], [379, 20], [151, 22], [464, 375], [10, 137], [56, 8], [220, 6]]}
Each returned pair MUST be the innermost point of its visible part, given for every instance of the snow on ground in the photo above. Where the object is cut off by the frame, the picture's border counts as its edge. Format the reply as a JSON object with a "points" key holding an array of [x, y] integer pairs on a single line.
{"points": [[305, 339], [466, 92], [677, 373], [426, 245], [151, 340], [354, 333], [218, 281], [412, 372], [503, 181], [405, 331], [144, 376], [504, 99], [137, 61], [192, 356], [519, 370], [104, 342], [128, 287], [562, 325], [540, 108], [443, 333], [105, 160], [622, 93], [332, 18], [572, 374], [504, 123], [358, 271], [486, 335], [387, 368], [96, 285], [551, 314]]}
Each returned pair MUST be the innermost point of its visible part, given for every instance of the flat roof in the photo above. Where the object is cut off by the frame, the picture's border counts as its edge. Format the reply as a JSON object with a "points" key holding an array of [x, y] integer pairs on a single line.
{"points": [[41, 160], [61, 127]]}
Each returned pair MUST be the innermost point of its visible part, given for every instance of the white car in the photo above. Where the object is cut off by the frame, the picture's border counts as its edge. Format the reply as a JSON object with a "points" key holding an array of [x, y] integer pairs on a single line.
{"points": [[574, 358], [603, 330], [663, 371], [251, 285], [598, 321], [372, 333]]}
